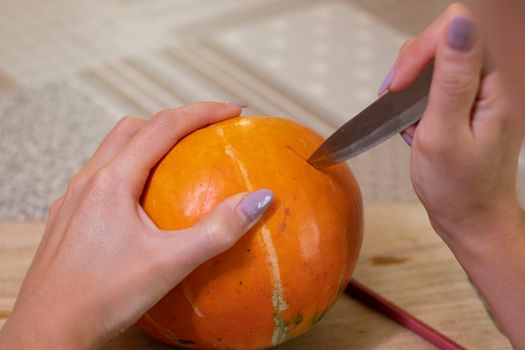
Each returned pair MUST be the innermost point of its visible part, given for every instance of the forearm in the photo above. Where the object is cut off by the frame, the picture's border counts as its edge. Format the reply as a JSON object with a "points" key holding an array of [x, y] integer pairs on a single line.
{"points": [[42, 332], [497, 268]]}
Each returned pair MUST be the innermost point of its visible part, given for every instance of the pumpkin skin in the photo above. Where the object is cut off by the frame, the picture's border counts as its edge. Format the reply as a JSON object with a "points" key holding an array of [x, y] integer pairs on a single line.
{"points": [[287, 271]]}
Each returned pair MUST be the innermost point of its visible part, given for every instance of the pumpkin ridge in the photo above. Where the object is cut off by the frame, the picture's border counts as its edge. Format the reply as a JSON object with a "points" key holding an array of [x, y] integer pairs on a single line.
{"points": [[168, 334], [189, 297], [278, 302], [230, 152]]}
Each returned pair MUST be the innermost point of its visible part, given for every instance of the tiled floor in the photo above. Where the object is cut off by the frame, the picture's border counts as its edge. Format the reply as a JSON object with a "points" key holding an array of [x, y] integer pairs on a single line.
{"points": [[70, 69]]}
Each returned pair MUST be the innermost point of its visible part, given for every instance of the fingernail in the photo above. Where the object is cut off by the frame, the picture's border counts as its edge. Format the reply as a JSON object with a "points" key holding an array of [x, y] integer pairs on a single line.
{"points": [[407, 138], [237, 104], [461, 34], [255, 203], [387, 82]]}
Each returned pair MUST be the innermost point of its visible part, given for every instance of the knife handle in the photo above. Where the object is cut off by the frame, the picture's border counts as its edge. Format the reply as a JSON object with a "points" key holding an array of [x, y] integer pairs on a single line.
{"points": [[418, 90]]}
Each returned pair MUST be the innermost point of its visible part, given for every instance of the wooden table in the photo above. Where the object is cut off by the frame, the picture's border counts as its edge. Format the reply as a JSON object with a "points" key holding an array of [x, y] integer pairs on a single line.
{"points": [[402, 259]]}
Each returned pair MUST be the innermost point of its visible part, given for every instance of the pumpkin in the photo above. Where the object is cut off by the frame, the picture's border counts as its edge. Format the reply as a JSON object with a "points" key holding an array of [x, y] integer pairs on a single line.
{"points": [[287, 271]]}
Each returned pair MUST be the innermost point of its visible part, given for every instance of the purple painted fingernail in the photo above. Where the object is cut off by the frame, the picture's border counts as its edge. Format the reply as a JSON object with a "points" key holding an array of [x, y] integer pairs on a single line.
{"points": [[255, 203], [461, 33], [387, 82], [237, 104], [407, 138]]}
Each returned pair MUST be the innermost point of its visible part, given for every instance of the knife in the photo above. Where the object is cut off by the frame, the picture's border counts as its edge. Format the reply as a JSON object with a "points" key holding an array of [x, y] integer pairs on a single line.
{"points": [[389, 115]]}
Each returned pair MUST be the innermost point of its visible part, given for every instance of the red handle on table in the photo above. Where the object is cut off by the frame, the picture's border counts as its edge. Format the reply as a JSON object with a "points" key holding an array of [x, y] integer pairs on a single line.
{"points": [[373, 300]]}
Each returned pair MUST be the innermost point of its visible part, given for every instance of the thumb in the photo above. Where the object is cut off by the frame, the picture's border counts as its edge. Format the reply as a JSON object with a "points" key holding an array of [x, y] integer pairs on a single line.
{"points": [[456, 80], [219, 230]]}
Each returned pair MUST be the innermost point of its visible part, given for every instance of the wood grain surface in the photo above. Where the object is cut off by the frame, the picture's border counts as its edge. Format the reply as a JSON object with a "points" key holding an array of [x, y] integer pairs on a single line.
{"points": [[401, 258]]}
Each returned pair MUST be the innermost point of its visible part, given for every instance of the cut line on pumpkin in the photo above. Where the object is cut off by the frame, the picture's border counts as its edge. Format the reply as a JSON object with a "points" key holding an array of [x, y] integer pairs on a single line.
{"points": [[301, 177], [303, 158], [296, 153], [229, 176]]}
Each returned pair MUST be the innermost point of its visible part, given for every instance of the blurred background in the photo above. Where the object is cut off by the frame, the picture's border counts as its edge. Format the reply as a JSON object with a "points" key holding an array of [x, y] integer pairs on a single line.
{"points": [[69, 70]]}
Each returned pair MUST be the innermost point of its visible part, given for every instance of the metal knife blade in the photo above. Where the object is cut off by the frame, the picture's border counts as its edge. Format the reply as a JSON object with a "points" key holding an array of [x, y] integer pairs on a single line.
{"points": [[389, 115]]}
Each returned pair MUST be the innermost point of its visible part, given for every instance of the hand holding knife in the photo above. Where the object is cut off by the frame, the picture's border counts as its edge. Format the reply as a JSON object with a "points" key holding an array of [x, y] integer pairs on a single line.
{"points": [[389, 115]]}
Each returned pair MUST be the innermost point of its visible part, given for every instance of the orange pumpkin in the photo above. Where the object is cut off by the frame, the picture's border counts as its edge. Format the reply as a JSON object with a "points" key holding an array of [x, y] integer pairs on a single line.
{"points": [[287, 271]]}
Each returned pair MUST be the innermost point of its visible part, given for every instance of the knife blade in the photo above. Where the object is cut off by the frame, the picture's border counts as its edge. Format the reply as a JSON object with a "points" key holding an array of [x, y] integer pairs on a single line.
{"points": [[387, 116]]}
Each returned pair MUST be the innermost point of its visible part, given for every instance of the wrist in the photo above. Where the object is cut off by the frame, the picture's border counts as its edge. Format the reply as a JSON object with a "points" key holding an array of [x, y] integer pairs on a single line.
{"points": [[493, 257], [485, 233]]}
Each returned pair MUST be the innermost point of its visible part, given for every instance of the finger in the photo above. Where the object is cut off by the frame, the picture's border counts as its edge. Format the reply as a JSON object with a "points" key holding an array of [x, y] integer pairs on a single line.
{"points": [[419, 51], [456, 79], [406, 45], [408, 134], [62, 209], [387, 82], [159, 135], [217, 232], [493, 97], [48, 235], [113, 143]]}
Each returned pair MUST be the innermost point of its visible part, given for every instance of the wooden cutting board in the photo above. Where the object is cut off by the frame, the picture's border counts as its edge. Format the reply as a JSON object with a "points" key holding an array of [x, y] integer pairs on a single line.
{"points": [[402, 259]]}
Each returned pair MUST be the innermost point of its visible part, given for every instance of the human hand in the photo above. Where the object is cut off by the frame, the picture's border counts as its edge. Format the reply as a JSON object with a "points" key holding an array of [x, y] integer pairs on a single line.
{"points": [[504, 25], [464, 159], [102, 262], [465, 149]]}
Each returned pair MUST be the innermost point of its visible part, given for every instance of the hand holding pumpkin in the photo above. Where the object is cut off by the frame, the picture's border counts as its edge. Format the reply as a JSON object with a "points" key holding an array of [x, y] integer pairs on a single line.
{"points": [[94, 271], [464, 160]]}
